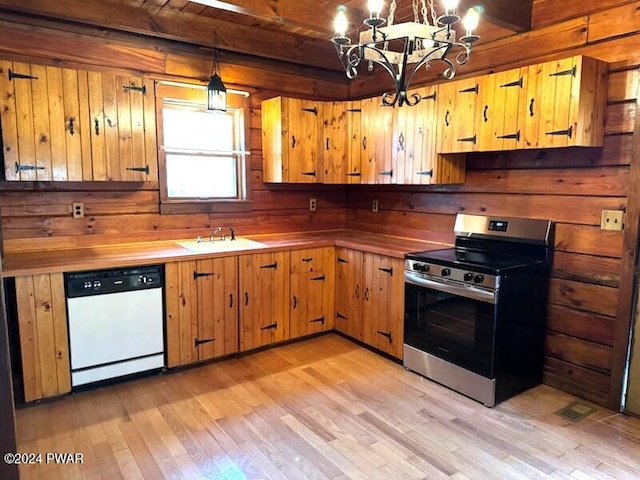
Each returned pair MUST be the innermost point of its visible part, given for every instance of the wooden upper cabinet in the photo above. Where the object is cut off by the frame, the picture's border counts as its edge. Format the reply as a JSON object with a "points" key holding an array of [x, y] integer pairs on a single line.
{"points": [[61, 124], [376, 129], [457, 112], [123, 128], [291, 140], [357, 142], [335, 142], [565, 103]]}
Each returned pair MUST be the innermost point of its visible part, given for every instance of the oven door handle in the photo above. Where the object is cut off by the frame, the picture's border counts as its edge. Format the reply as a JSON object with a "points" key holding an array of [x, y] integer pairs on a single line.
{"points": [[469, 291]]}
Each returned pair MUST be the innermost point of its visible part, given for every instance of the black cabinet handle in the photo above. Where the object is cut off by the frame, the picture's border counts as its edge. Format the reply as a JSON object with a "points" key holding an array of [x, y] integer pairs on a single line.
{"points": [[72, 128], [96, 126], [533, 100], [401, 142], [484, 113], [386, 334], [295, 302], [197, 275], [307, 259], [364, 143], [366, 293], [357, 291], [199, 342], [246, 298], [230, 300], [446, 118], [386, 270], [293, 141], [273, 326], [327, 143]]}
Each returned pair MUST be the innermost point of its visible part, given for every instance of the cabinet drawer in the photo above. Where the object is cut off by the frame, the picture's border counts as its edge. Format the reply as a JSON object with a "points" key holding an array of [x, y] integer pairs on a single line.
{"points": [[307, 260]]}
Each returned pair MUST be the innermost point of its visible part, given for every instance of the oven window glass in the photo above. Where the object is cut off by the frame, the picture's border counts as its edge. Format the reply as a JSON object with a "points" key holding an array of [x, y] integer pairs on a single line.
{"points": [[451, 327]]}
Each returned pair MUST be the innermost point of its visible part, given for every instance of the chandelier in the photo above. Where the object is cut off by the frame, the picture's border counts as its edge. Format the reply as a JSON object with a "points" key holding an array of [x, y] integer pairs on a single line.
{"points": [[402, 49]]}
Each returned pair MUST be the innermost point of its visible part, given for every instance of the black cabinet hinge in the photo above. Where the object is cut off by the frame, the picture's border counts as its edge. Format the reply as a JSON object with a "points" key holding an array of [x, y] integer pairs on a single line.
{"points": [[385, 334], [144, 169], [475, 89], [24, 76], [317, 320], [272, 326], [340, 316], [342, 260], [468, 139], [568, 132], [134, 88], [517, 83], [199, 342], [197, 275], [428, 173], [386, 270], [571, 71], [27, 168], [511, 136], [321, 278], [271, 265], [313, 110], [309, 174]]}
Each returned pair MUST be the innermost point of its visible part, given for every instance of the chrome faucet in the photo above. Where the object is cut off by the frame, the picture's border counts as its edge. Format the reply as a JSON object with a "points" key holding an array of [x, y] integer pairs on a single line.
{"points": [[213, 234]]}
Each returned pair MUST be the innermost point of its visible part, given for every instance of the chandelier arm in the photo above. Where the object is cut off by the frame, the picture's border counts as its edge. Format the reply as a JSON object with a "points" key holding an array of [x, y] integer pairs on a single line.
{"points": [[427, 61], [354, 56]]}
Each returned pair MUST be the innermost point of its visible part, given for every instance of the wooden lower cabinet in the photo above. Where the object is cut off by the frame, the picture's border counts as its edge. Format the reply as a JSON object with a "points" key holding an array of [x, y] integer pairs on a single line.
{"points": [[44, 344], [370, 299], [312, 287], [264, 292], [348, 317], [202, 312]]}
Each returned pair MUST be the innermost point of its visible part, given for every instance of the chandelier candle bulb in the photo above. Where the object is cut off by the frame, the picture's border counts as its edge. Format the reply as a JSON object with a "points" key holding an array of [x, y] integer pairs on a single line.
{"points": [[375, 7], [340, 24], [470, 22]]}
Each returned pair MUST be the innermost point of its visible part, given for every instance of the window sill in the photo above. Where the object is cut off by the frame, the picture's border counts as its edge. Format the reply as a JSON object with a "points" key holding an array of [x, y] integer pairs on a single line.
{"points": [[221, 206]]}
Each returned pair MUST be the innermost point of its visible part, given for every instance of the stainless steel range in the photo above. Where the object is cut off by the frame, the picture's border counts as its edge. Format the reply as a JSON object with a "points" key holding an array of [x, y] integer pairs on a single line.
{"points": [[475, 314]]}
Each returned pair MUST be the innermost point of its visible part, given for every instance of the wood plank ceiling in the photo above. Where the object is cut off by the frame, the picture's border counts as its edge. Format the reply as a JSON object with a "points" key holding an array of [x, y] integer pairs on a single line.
{"points": [[292, 31]]}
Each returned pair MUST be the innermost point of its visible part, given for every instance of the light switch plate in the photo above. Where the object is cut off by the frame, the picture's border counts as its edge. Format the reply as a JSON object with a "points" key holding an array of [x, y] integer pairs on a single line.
{"points": [[612, 220]]}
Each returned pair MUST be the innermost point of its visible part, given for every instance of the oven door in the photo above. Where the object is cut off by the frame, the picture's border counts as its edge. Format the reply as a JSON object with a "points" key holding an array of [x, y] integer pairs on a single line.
{"points": [[453, 322]]}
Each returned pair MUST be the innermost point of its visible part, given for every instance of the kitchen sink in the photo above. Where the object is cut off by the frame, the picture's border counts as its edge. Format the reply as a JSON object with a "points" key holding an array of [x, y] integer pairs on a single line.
{"points": [[220, 246]]}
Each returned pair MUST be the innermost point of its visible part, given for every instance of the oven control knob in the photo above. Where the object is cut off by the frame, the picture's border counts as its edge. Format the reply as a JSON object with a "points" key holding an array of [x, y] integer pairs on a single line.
{"points": [[478, 279], [445, 272], [424, 268], [468, 277]]}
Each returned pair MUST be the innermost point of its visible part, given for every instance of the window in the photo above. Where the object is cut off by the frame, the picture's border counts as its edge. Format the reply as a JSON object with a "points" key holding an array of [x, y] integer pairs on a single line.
{"points": [[202, 154]]}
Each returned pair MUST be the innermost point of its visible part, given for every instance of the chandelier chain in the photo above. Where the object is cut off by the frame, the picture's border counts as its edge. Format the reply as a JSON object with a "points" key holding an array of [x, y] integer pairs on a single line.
{"points": [[416, 11], [392, 12], [425, 20], [434, 16]]}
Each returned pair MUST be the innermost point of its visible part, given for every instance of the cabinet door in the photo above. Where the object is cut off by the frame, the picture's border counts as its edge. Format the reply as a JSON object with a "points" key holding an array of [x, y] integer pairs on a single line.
{"points": [[349, 292], [264, 299], [309, 309], [457, 115], [555, 103], [414, 140], [217, 284], [507, 92], [335, 142], [122, 123], [308, 259], [377, 134], [529, 114], [382, 307], [357, 144], [44, 339], [181, 294], [44, 123], [304, 125]]}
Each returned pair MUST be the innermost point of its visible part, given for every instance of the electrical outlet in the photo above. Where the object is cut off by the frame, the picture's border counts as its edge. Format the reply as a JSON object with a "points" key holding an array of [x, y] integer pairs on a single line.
{"points": [[374, 206], [312, 205], [78, 209], [611, 220]]}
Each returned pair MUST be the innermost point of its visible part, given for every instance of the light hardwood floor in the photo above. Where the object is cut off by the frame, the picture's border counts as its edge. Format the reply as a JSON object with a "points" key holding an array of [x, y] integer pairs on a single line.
{"points": [[316, 409]]}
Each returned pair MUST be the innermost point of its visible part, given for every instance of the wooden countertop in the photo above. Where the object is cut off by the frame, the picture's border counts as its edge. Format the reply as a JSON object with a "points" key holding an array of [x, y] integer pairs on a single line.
{"points": [[149, 253]]}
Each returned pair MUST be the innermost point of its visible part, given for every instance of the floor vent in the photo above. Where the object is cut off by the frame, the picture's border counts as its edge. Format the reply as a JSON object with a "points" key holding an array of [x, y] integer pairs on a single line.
{"points": [[575, 411]]}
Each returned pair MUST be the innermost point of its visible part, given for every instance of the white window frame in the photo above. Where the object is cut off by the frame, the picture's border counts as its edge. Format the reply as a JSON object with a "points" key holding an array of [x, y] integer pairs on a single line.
{"points": [[189, 96]]}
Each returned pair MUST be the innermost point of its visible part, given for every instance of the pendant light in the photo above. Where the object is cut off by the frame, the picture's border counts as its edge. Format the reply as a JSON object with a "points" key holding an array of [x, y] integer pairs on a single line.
{"points": [[216, 91]]}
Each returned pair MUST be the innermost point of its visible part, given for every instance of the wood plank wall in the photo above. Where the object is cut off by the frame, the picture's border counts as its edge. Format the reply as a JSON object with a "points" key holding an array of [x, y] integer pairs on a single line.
{"points": [[569, 187]]}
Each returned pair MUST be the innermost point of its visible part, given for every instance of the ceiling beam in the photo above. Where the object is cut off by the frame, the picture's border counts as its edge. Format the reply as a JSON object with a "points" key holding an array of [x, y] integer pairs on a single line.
{"points": [[185, 27], [511, 14]]}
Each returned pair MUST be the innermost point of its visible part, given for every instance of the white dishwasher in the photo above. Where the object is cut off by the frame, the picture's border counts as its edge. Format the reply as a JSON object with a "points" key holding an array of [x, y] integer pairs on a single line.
{"points": [[116, 323]]}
